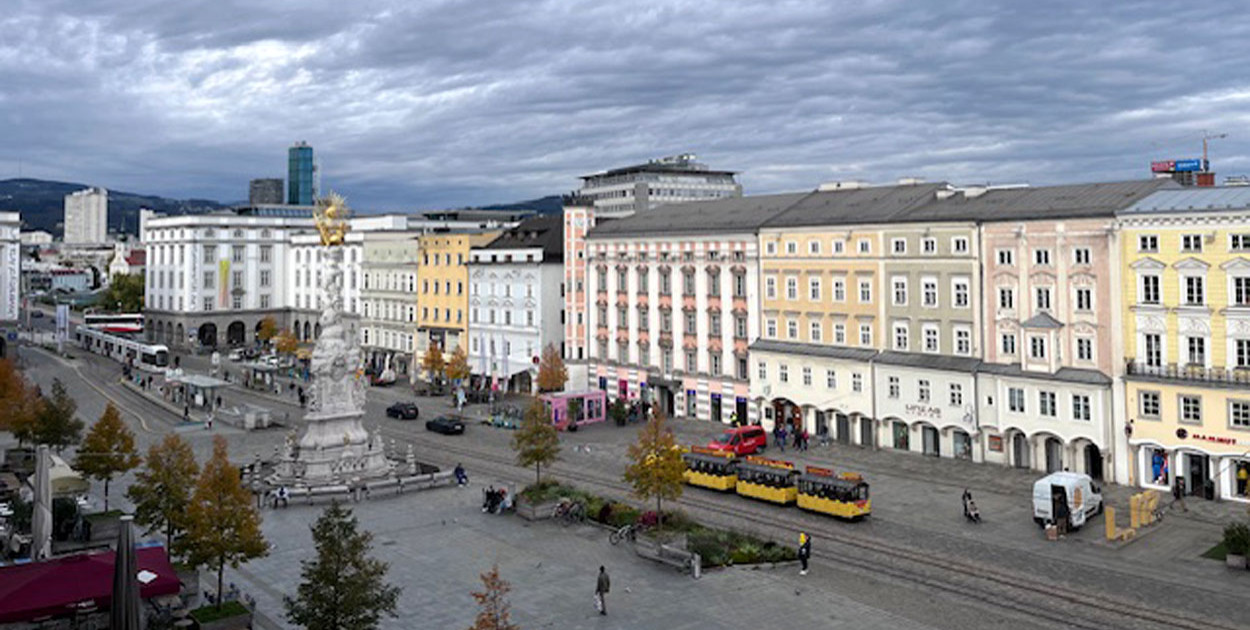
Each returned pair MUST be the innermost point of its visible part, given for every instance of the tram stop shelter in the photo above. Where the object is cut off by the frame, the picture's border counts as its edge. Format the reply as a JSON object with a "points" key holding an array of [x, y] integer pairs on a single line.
{"points": [[258, 376], [196, 390]]}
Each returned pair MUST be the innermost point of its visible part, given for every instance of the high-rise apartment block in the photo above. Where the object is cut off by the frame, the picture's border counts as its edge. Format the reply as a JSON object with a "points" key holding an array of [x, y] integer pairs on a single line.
{"points": [[301, 173], [86, 216], [264, 191], [623, 191]]}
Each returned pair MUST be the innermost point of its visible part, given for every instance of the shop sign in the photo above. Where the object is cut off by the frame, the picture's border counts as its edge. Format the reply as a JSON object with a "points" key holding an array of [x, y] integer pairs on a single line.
{"points": [[1215, 438], [924, 411], [996, 443]]}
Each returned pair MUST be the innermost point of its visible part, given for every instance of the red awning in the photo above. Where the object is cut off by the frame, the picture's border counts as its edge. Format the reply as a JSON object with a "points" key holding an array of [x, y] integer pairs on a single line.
{"points": [[56, 587]]}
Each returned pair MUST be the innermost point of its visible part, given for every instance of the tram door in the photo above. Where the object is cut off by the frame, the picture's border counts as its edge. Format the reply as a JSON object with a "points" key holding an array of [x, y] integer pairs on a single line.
{"points": [[844, 429]]}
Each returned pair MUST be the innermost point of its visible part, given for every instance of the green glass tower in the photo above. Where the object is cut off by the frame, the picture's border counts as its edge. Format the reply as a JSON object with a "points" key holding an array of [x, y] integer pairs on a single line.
{"points": [[300, 173]]}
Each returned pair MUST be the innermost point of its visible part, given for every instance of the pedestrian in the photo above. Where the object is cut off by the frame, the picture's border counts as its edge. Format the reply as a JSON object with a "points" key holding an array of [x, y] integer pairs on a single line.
{"points": [[781, 438], [462, 478], [186, 413], [806, 438], [1178, 493], [209, 424], [283, 495], [805, 551], [219, 402], [602, 586]]}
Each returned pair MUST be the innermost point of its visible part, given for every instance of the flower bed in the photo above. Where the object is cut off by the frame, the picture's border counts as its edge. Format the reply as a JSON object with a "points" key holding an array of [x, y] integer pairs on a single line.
{"points": [[717, 547]]}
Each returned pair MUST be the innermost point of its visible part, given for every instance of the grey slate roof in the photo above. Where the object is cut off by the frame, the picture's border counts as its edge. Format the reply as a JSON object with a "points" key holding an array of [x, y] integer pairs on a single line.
{"points": [[1190, 199], [812, 350], [930, 361], [545, 231], [722, 216], [874, 204], [1071, 201], [1067, 375], [1041, 320]]}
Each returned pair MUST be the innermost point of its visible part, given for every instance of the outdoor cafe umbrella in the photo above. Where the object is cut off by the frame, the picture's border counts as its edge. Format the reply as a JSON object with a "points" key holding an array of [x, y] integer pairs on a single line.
{"points": [[41, 519], [124, 609]]}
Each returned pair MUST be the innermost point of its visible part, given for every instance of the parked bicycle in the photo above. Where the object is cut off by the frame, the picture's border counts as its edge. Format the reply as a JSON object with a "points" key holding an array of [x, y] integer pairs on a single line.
{"points": [[569, 511], [625, 532]]}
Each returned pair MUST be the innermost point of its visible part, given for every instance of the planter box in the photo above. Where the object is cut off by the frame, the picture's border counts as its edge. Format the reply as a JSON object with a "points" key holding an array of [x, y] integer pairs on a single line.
{"points": [[535, 511], [237, 622], [1235, 561]]}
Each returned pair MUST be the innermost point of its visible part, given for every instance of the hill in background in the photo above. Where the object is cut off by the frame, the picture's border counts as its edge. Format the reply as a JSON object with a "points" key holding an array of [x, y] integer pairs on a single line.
{"points": [[42, 204]]}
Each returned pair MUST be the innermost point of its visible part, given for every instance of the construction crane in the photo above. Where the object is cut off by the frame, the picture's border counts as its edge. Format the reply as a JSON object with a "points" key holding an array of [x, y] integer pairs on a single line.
{"points": [[1206, 138]]}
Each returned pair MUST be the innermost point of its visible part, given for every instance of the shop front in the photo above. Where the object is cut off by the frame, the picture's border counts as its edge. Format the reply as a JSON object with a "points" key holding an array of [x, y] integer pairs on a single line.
{"points": [[928, 411]]}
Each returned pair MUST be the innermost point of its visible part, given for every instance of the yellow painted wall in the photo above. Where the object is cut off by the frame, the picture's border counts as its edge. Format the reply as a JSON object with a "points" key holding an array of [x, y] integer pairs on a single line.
{"points": [[444, 259], [1163, 430]]}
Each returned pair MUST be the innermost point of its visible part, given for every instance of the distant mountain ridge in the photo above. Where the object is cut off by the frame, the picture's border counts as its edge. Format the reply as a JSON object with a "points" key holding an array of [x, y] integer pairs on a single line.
{"points": [[42, 204]]}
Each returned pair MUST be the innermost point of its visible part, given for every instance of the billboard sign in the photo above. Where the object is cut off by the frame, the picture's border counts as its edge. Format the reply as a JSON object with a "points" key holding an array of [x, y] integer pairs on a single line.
{"points": [[1163, 166], [1177, 166], [1189, 165]]}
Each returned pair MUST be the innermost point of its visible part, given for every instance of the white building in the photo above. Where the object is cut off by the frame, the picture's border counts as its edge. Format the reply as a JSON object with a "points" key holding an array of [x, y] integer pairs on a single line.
{"points": [[86, 216], [388, 301], [516, 303], [37, 237], [622, 191], [10, 268]]}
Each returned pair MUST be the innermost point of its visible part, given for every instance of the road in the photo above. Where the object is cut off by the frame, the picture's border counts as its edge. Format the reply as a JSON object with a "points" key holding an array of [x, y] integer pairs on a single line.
{"points": [[915, 510]]}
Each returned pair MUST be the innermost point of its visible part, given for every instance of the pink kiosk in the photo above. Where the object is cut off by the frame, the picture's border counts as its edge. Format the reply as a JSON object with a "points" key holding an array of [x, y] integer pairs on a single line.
{"points": [[577, 407]]}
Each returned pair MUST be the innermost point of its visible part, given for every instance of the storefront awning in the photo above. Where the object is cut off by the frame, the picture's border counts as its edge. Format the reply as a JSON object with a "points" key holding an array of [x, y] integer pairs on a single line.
{"points": [[60, 586]]}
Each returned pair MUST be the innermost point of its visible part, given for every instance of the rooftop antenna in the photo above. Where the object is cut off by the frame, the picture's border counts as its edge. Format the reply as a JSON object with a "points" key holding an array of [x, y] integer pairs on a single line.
{"points": [[1206, 137]]}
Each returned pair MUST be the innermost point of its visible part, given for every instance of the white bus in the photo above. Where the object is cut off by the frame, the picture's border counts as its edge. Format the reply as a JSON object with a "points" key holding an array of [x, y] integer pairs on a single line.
{"points": [[144, 356]]}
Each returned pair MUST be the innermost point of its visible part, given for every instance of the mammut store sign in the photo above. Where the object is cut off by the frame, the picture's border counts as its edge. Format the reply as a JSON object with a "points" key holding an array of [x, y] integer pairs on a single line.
{"points": [[924, 412]]}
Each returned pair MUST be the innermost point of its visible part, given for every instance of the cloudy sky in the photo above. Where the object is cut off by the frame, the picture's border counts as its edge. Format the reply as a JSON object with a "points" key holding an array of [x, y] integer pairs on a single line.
{"points": [[421, 103]]}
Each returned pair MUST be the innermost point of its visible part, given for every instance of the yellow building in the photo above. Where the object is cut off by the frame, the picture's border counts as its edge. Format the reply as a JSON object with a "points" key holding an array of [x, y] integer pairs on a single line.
{"points": [[1185, 257], [443, 290]]}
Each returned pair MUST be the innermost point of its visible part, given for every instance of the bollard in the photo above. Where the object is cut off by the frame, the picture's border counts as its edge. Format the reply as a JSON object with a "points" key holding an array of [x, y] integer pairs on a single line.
{"points": [[1134, 511], [1109, 519]]}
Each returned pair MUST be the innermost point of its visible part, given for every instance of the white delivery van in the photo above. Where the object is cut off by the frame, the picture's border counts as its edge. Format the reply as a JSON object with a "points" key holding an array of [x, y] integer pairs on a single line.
{"points": [[1069, 495]]}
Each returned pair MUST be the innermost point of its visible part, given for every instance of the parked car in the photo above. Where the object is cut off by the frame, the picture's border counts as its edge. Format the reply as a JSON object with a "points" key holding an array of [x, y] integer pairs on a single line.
{"points": [[403, 411], [235, 355], [36, 313], [447, 425], [741, 440]]}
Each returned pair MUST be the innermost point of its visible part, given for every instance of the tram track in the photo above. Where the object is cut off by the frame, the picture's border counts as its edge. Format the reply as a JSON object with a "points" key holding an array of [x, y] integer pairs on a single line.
{"points": [[968, 580]]}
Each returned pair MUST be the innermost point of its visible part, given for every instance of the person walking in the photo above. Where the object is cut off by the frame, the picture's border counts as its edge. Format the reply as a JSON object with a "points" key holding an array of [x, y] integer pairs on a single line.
{"points": [[805, 551], [462, 478], [602, 586], [781, 438]]}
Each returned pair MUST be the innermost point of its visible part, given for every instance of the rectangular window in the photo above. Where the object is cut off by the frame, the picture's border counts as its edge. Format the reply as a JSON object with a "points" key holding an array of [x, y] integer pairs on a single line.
{"points": [[813, 289], [1239, 242], [690, 324], [900, 337], [210, 254], [714, 363], [928, 245], [236, 302], [1149, 404], [783, 373], [838, 246], [622, 282], [1006, 257], [742, 369], [813, 248], [1041, 257], [692, 361], [1081, 255], [930, 290], [1043, 298], [865, 335], [688, 283], [1241, 291], [1084, 349], [1154, 349], [1084, 299], [209, 280], [770, 248], [713, 286], [1015, 399], [898, 246], [208, 304], [839, 333], [959, 245], [961, 293], [792, 247], [900, 291], [740, 327], [236, 253], [770, 288], [922, 393], [1009, 343], [265, 277], [642, 280], [865, 246], [1150, 289], [763, 371], [1081, 409], [1197, 351], [857, 382], [839, 290], [893, 387], [770, 328], [1191, 242], [1006, 299], [714, 324], [865, 291], [1239, 414], [1037, 347], [1147, 243], [266, 253], [1194, 293], [792, 328], [792, 288], [807, 376], [264, 301], [814, 331], [666, 284], [963, 341], [1046, 404], [957, 395], [831, 379], [1241, 352], [930, 338], [236, 278], [1191, 409]]}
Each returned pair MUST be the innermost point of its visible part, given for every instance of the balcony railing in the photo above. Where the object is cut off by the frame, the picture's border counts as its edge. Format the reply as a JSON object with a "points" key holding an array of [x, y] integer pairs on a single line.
{"points": [[1189, 372]]}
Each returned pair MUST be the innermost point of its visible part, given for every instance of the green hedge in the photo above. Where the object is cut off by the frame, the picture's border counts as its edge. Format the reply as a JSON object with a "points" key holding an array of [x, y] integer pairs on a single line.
{"points": [[211, 613], [717, 547]]}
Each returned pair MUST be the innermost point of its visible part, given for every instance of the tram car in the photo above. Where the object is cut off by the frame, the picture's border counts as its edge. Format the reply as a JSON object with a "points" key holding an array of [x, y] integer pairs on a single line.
{"points": [[768, 480], [710, 468], [121, 348], [824, 491]]}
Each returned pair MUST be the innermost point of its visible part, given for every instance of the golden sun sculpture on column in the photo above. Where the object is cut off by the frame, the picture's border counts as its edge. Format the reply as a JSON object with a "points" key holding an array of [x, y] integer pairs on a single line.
{"points": [[331, 215]]}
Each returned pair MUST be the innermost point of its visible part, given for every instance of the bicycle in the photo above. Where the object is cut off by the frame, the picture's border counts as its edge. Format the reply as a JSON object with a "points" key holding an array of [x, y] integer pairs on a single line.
{"points": [[569, 512], [625, 532]]}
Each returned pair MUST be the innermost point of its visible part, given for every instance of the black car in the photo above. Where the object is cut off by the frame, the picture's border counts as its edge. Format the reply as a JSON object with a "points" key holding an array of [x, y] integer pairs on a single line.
{"points": [[446, 425], [403, 411]]}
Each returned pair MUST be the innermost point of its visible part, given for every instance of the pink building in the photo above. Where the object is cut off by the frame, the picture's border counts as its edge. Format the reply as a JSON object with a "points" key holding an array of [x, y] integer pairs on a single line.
{"points": [[579, 217]]}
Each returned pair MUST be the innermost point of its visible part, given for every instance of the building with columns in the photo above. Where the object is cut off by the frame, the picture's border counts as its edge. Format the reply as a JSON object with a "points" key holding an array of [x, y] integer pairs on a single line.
{"points": [[10, 272]]}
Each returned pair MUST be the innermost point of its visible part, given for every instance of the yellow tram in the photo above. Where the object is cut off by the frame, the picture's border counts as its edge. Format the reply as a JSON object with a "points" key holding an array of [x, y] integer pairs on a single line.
{"points": [[845, 496], [710, 468], [767, 480]]}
